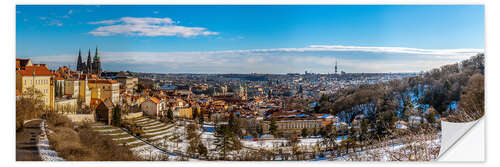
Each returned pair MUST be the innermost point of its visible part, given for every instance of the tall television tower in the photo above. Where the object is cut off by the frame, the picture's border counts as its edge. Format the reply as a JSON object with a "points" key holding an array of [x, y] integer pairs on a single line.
{"points": [[335, 66]]}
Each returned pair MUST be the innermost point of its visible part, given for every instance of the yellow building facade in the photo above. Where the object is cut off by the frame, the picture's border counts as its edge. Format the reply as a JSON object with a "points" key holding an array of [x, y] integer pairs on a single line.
{"points": [[36, 77]]}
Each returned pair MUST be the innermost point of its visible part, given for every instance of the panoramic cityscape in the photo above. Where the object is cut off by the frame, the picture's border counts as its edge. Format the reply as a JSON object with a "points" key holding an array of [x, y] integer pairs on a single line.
{"points": [[264, 83]]}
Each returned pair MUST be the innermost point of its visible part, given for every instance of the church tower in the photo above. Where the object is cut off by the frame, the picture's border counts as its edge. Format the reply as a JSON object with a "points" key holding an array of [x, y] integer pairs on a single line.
{"points": [[79, 63], [89, 64], [92, 66], [97, 63]]}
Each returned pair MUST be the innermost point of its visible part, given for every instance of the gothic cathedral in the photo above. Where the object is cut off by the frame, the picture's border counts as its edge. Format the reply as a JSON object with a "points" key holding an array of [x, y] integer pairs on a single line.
{"points": [[92, 66]]}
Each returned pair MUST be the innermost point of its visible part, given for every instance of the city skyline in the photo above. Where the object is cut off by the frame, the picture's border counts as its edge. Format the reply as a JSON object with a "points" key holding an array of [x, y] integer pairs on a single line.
{"points": [[180, 39]]}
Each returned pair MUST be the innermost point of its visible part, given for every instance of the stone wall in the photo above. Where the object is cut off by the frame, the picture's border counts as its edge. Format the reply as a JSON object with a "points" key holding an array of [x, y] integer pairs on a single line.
{"points": [[79, 118], [132, 115]]}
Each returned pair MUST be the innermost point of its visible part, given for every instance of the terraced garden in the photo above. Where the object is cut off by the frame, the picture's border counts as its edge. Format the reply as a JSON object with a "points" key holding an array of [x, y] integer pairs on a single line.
{"points": [[139, 147], [163, 135], [119, 136]]}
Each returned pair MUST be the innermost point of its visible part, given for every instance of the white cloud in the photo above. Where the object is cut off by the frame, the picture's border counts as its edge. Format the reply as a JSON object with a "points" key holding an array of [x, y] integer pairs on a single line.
{"points": [[147, 26], [55, 22], [278, 60], [395, 49], [50, 21]]}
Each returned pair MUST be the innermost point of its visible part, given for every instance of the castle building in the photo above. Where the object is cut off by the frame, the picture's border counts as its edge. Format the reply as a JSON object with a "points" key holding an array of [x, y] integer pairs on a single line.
{"points": [[92, 66]]}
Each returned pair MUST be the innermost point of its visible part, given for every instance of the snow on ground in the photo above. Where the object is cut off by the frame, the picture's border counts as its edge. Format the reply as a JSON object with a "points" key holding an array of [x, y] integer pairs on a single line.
{"points": [[46, 154], [305, 143], [124, 138], [141, 149], [148, 152], [423, 149], [171, 139], [108, 130], [168, 137]]}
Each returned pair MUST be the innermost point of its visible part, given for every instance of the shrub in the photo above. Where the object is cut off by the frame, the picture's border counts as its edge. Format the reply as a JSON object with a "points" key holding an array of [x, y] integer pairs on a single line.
{"points": [[84, 144], [58, 120], [67, 143], [104, 146]]}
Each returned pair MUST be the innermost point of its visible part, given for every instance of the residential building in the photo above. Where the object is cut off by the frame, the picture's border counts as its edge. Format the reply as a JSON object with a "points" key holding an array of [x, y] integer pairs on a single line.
{"points": [[127, 81], [72, 87], [37, 77], [84, 92], [104, 111], [153, 106], [105, 88]]}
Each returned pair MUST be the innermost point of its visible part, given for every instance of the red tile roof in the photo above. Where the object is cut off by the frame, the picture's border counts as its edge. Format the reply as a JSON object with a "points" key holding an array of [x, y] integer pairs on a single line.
{"points": [[95, 102], [35, 70], [156, 100], [63, 69], [104, 81]]}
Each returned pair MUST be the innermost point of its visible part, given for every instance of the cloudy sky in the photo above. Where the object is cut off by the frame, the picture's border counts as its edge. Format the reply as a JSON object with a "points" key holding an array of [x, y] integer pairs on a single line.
{"points": [[245, 39]]}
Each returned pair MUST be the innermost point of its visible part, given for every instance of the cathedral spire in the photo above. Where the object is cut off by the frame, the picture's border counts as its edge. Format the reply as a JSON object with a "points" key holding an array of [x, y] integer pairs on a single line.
{"points": [[96, 56], [89, 63], [79, 61]]}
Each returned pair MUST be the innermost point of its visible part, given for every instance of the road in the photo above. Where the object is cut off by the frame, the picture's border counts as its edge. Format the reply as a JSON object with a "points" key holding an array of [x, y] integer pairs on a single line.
{"points": [[26, 140]]}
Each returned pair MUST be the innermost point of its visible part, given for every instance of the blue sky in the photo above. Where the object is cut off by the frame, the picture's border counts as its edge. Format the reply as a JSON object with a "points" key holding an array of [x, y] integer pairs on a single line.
{"points": [[245, 39]]}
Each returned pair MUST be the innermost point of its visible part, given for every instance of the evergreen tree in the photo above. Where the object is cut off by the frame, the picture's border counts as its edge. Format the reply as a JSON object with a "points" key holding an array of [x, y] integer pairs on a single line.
{"points": [[272, 127], [116, 115], [431, 115], [304, 133], [195, 144], [226, 140], [234, 124], [170, 114], [209, 116], [201, 119], [329, 138], [195, 113], [364, 130]]}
